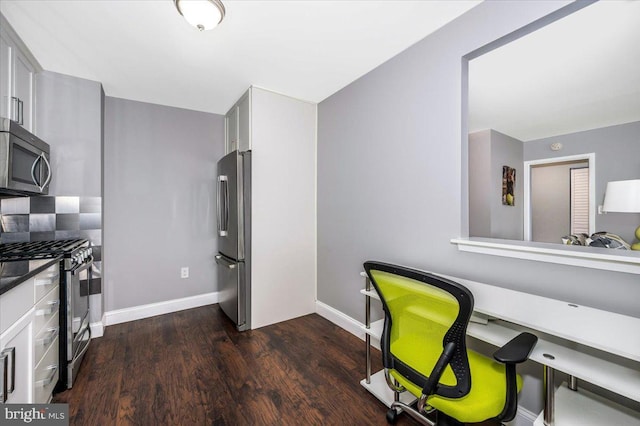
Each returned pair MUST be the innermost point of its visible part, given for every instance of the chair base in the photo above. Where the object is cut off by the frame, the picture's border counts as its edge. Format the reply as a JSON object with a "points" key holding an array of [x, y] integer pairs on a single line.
{"points": [[441, 418], [444, 420]]}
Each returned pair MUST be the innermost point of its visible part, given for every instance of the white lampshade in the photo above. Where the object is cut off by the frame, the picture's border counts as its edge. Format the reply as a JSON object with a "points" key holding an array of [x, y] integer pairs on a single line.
{"points": [[202, 14], [622, 196]]}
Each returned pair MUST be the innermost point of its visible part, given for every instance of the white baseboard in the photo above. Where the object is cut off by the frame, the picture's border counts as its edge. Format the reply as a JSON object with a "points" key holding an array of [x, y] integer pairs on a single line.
{"points": [[97, 329], [524, 417], [340, 319], [133, 313]]}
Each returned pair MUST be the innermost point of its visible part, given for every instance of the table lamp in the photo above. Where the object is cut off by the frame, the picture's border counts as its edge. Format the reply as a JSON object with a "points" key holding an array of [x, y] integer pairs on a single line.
{"points": [[623, 196]]}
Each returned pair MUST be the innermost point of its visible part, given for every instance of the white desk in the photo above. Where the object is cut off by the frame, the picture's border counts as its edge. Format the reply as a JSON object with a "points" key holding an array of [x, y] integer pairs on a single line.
{"points": [[600, 347], [610, 332]]}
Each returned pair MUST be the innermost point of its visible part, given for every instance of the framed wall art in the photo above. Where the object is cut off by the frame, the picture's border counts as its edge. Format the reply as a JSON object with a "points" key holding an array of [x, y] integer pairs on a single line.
{"points": [[508, 185]]}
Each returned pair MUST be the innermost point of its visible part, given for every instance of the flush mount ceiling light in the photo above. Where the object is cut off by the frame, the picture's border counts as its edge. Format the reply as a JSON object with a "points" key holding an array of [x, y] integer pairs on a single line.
{"points": [[202, 14]]}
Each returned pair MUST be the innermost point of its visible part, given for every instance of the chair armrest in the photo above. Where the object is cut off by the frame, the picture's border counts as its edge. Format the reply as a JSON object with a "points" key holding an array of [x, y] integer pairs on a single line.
{"points": [[438, 369], [517, 350]]}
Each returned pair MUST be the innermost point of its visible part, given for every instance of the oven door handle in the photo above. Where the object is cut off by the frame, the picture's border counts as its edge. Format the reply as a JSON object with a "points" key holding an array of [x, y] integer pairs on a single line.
{"points": [[83, 267]]}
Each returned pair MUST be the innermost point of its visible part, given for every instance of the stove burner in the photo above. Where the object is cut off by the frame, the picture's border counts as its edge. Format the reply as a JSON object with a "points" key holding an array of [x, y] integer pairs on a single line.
{"points": [[39, 249]]}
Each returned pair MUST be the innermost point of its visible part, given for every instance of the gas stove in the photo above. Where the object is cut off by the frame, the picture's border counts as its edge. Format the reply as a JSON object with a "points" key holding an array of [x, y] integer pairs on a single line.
{"points": [[74, 251], [75, 282]]}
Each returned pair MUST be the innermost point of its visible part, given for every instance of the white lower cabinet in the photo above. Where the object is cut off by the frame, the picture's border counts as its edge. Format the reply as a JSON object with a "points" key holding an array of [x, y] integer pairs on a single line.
{"points": [[16, 355], [29, 339]]}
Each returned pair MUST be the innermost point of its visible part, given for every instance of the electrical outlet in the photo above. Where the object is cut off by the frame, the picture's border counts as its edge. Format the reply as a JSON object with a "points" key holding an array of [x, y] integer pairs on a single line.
{"points": [[184, 272]]}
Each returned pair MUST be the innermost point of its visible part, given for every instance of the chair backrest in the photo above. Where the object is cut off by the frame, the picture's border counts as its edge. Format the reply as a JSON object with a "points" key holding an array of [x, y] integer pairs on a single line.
{"points": [[423, 313]]}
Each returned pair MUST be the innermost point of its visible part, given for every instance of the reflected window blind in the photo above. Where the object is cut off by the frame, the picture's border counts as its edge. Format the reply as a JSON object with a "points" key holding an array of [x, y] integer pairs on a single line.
{"points": [[580, 200]]}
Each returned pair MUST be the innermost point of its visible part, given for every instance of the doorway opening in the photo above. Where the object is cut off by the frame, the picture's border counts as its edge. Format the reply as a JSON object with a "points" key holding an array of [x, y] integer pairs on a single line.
{"points": [[559, 197]]}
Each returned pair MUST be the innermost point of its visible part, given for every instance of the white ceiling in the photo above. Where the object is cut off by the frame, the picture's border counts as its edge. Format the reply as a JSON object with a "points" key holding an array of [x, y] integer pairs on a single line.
{"points": [[579, 73], [144, 50]]}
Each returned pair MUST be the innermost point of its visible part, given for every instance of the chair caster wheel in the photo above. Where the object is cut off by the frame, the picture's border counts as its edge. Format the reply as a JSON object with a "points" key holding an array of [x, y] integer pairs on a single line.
{"points": [[392, 416]]}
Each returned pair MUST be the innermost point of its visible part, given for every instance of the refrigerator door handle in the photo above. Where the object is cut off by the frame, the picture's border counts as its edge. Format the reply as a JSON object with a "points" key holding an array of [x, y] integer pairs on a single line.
{"points": [[223, 205], [224, 262], [218, 205]]}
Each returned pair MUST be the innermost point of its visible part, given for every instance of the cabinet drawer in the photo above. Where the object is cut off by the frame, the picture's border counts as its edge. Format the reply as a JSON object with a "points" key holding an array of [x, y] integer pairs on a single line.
{"points": [[45, 281], [46, 309], [16, 345], [15, 303], [45, 375], [45, 338]]}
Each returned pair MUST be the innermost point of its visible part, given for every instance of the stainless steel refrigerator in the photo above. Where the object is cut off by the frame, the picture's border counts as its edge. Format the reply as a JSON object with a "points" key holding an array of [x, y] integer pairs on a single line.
{"points": [[234, 237]]}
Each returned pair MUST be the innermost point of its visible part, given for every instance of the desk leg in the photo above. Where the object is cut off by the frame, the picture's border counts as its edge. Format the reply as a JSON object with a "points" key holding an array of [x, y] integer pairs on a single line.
{"points": [[573, 383], [549, 393], [368, 342], [367, 338]]}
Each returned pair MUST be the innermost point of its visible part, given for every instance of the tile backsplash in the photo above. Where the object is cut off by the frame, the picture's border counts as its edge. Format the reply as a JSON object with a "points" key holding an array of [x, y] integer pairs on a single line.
{"points": [[55, 218]]}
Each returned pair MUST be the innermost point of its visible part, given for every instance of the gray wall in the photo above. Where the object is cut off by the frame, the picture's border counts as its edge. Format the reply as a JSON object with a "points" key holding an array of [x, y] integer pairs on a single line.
{"points": [[69, 111], [159, 198], [70, 115], [390, 179], [617, 150], [506, 221], [489, 151], [480, 183]]}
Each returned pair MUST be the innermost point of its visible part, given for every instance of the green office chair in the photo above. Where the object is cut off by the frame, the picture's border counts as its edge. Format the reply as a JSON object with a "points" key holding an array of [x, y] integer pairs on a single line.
{"points": [[424, 351]]}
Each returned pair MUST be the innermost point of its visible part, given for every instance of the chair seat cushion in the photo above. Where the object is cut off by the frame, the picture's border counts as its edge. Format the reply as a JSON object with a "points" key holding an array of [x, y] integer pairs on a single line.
{"points": [[486, 398]]}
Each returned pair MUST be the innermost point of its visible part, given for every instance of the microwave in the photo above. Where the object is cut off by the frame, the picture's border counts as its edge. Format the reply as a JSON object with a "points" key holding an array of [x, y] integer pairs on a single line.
{"points": [[24, 161]]}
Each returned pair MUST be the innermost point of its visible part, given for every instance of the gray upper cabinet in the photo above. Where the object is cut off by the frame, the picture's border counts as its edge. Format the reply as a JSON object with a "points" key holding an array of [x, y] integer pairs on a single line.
{"points": [[23, 89], [5, 77], [231, 130], [17, 78], [238, 125]]}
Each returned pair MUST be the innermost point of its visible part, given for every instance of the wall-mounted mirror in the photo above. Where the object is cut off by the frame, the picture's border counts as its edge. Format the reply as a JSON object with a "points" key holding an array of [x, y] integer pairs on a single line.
{"points": [[567, 91]]}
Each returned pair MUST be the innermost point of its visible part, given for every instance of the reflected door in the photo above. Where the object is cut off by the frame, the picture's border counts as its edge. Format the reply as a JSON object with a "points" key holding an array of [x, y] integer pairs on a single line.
{"points": [[552, 216]]}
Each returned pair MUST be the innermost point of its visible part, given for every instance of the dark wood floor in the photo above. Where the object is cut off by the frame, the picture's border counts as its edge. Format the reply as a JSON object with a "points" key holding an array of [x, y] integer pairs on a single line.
{"points": [[194, 368]]}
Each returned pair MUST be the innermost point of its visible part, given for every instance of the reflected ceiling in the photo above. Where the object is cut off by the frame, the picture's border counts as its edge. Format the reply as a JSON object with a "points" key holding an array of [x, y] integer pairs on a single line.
{"points": [[581, 72]]}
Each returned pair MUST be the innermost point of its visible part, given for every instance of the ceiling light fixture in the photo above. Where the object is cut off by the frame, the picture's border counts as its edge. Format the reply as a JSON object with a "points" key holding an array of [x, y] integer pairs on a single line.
{"points": [[202, 14]]}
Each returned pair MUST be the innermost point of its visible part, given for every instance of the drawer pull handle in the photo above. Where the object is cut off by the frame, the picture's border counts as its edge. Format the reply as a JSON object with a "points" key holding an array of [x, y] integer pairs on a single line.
{"points": [[52, 308], [11, 352], [4, 370], [46, 341], [45, 281], [47, 381]]}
